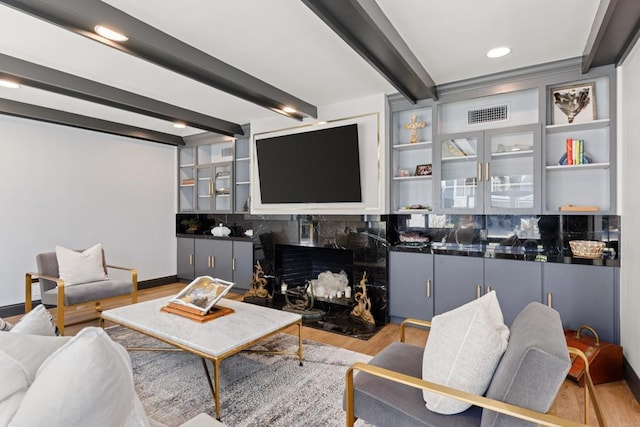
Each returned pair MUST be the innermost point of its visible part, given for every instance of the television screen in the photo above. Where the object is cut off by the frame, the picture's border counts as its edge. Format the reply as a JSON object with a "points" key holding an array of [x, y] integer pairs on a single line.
{"points": [[321, 166]]}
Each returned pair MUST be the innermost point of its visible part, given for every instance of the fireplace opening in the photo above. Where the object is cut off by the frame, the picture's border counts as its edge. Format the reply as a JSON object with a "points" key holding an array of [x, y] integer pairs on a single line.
{"points": [[296, 266]]}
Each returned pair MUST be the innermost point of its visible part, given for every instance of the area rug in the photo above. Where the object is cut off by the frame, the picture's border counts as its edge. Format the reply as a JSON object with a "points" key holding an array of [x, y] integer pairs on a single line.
{"points": [[256, 389]]}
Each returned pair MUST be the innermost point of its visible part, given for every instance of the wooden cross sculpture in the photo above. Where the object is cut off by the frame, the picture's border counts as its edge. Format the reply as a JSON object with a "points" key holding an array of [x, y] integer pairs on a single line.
{"points": [[414, 126]]}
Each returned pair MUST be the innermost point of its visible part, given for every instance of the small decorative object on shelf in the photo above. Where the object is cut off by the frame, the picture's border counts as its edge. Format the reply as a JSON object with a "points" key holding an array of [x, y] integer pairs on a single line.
{"points": [[586, 248], [572, 102], [403, 172], [574, 153], [423, 170], [414, 125], [362, 311], [258, 292], [574, 208], [221, 231]]}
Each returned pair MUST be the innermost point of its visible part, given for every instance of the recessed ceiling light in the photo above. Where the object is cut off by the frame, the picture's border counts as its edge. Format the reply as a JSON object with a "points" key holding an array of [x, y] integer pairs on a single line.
{"points": [[321, 123], [179, 125], [9, 84], [110, 34], [497, 52], [288, 109]]}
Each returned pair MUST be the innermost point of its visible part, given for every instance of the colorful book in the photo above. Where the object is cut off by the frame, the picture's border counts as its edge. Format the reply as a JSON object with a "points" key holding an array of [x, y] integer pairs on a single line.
{"points": [[569, 150]]}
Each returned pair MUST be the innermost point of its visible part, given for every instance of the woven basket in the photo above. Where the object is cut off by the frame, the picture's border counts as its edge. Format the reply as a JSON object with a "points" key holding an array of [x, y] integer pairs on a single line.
{"points": [[586, 248]]}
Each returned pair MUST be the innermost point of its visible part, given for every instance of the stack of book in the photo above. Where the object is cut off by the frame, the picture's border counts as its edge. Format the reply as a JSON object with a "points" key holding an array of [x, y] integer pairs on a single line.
{"points": [[188, 181], [575, 151]]}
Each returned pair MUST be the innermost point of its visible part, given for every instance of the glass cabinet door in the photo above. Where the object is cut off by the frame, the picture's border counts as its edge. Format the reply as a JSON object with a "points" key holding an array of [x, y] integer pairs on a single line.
{"points": [[459, 173], [510, 180], [204, 188], [223, 185]]}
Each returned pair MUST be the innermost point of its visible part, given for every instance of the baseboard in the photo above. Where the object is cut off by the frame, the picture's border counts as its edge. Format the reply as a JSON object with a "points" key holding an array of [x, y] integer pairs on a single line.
{"points": [[152, 283], [17, 309], [632, 379]]}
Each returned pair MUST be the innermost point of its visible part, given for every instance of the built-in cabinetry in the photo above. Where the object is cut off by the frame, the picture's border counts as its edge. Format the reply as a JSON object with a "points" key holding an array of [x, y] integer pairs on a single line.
{"points": [[242, 175], [491, 171], [501, 147], [205, 177], [411, 286], [584, 295], [590, 185], [422, 285], [459, 280], [412, 185], [226, 259]]}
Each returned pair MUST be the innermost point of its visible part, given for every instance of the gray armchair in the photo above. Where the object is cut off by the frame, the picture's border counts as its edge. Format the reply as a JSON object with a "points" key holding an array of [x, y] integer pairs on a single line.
{"points": [[387, 391], [54, 292]]}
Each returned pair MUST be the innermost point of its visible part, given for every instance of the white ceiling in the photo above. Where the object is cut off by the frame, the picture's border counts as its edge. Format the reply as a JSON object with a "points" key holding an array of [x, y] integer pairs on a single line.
{"points": [[283, 43]]}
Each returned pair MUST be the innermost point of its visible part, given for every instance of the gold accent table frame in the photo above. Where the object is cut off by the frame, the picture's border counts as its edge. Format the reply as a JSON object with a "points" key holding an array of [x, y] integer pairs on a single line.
{"points": [[215, 340]]}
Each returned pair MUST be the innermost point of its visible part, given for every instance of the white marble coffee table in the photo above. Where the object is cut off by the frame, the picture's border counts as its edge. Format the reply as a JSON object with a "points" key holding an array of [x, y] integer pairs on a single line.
{"points": [[214, 340]]}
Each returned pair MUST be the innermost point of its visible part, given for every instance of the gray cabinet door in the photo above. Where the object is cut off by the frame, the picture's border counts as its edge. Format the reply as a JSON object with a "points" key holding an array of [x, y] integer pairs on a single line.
{"points": [[457, 280], [517, 283], [203, 262], [583, 295], [243, 264], [222, 259], [185, 259], [410, 286]]}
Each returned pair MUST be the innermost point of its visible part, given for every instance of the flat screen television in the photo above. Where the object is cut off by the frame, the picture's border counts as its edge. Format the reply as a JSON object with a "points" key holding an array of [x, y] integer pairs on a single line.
{"points": [[320, 166]]}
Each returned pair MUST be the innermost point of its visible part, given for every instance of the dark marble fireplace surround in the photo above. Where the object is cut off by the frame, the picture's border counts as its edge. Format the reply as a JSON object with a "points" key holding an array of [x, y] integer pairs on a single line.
{"points": [[366, 240]]}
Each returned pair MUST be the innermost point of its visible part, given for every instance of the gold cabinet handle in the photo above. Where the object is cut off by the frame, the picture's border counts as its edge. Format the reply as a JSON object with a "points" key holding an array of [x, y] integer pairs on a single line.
{"points": [[488, 289], [190, 259], [479, 171], [428, 288], [233, 264], [213, 262], [478, 291], [211, 188], [486, 172], [209, 261], [549, 299]]}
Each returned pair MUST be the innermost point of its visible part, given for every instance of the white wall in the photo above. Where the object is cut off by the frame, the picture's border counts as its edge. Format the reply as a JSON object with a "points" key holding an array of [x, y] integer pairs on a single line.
{"points": [[629, 196], [370, 114], [75, 188]]}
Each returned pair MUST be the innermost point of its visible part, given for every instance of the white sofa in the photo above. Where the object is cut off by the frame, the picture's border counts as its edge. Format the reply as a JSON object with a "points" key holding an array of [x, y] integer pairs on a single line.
{"points": [[70, 381]]}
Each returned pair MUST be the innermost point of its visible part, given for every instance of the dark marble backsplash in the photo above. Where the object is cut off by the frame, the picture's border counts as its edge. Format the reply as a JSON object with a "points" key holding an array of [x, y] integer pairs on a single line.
{"points": [[547, 235], [371, 236]]}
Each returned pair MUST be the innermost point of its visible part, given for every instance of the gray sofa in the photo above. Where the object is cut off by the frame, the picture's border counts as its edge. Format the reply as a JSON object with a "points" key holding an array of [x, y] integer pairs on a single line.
{"points": [[529, 375]]}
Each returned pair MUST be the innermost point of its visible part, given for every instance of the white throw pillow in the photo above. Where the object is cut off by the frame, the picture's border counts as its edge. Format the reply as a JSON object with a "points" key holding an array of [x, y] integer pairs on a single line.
{"points": [[4, 325], [80, 267], [14, 386], [463, 351], [36, 322], [88, 380]]}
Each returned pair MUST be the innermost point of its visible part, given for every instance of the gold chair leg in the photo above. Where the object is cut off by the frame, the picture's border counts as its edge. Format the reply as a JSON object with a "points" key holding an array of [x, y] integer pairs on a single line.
{"points": [[98, 307]]}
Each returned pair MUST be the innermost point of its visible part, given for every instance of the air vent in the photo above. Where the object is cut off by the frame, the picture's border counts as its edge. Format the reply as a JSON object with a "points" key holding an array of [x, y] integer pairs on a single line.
{"points": [[496, 113]]}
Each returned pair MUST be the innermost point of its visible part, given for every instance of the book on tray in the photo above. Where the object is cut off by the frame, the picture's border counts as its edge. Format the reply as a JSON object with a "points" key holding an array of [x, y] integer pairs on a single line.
{"points": [[202, 294]]}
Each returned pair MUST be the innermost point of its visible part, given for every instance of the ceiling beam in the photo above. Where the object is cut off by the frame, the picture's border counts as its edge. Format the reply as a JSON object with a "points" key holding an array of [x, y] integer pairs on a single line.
{"points": [[49, 115], [363, 25], [615, 30], [155, 46], [38, 76]]}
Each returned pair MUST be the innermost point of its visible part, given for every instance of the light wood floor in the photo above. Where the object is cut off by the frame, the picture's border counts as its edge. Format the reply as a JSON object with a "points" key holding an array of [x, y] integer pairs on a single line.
{"points": [[620, 407]]}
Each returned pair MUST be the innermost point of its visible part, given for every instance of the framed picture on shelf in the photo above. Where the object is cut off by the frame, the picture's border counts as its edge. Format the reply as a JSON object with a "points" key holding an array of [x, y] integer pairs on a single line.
{"points": [[423, 170], [573, 104]]}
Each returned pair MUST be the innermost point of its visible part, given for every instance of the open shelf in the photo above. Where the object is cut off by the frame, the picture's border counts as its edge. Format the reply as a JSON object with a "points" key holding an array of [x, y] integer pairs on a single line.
{"points": [[575, 127], [578, 167], [416, 146], [411, 178]]}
